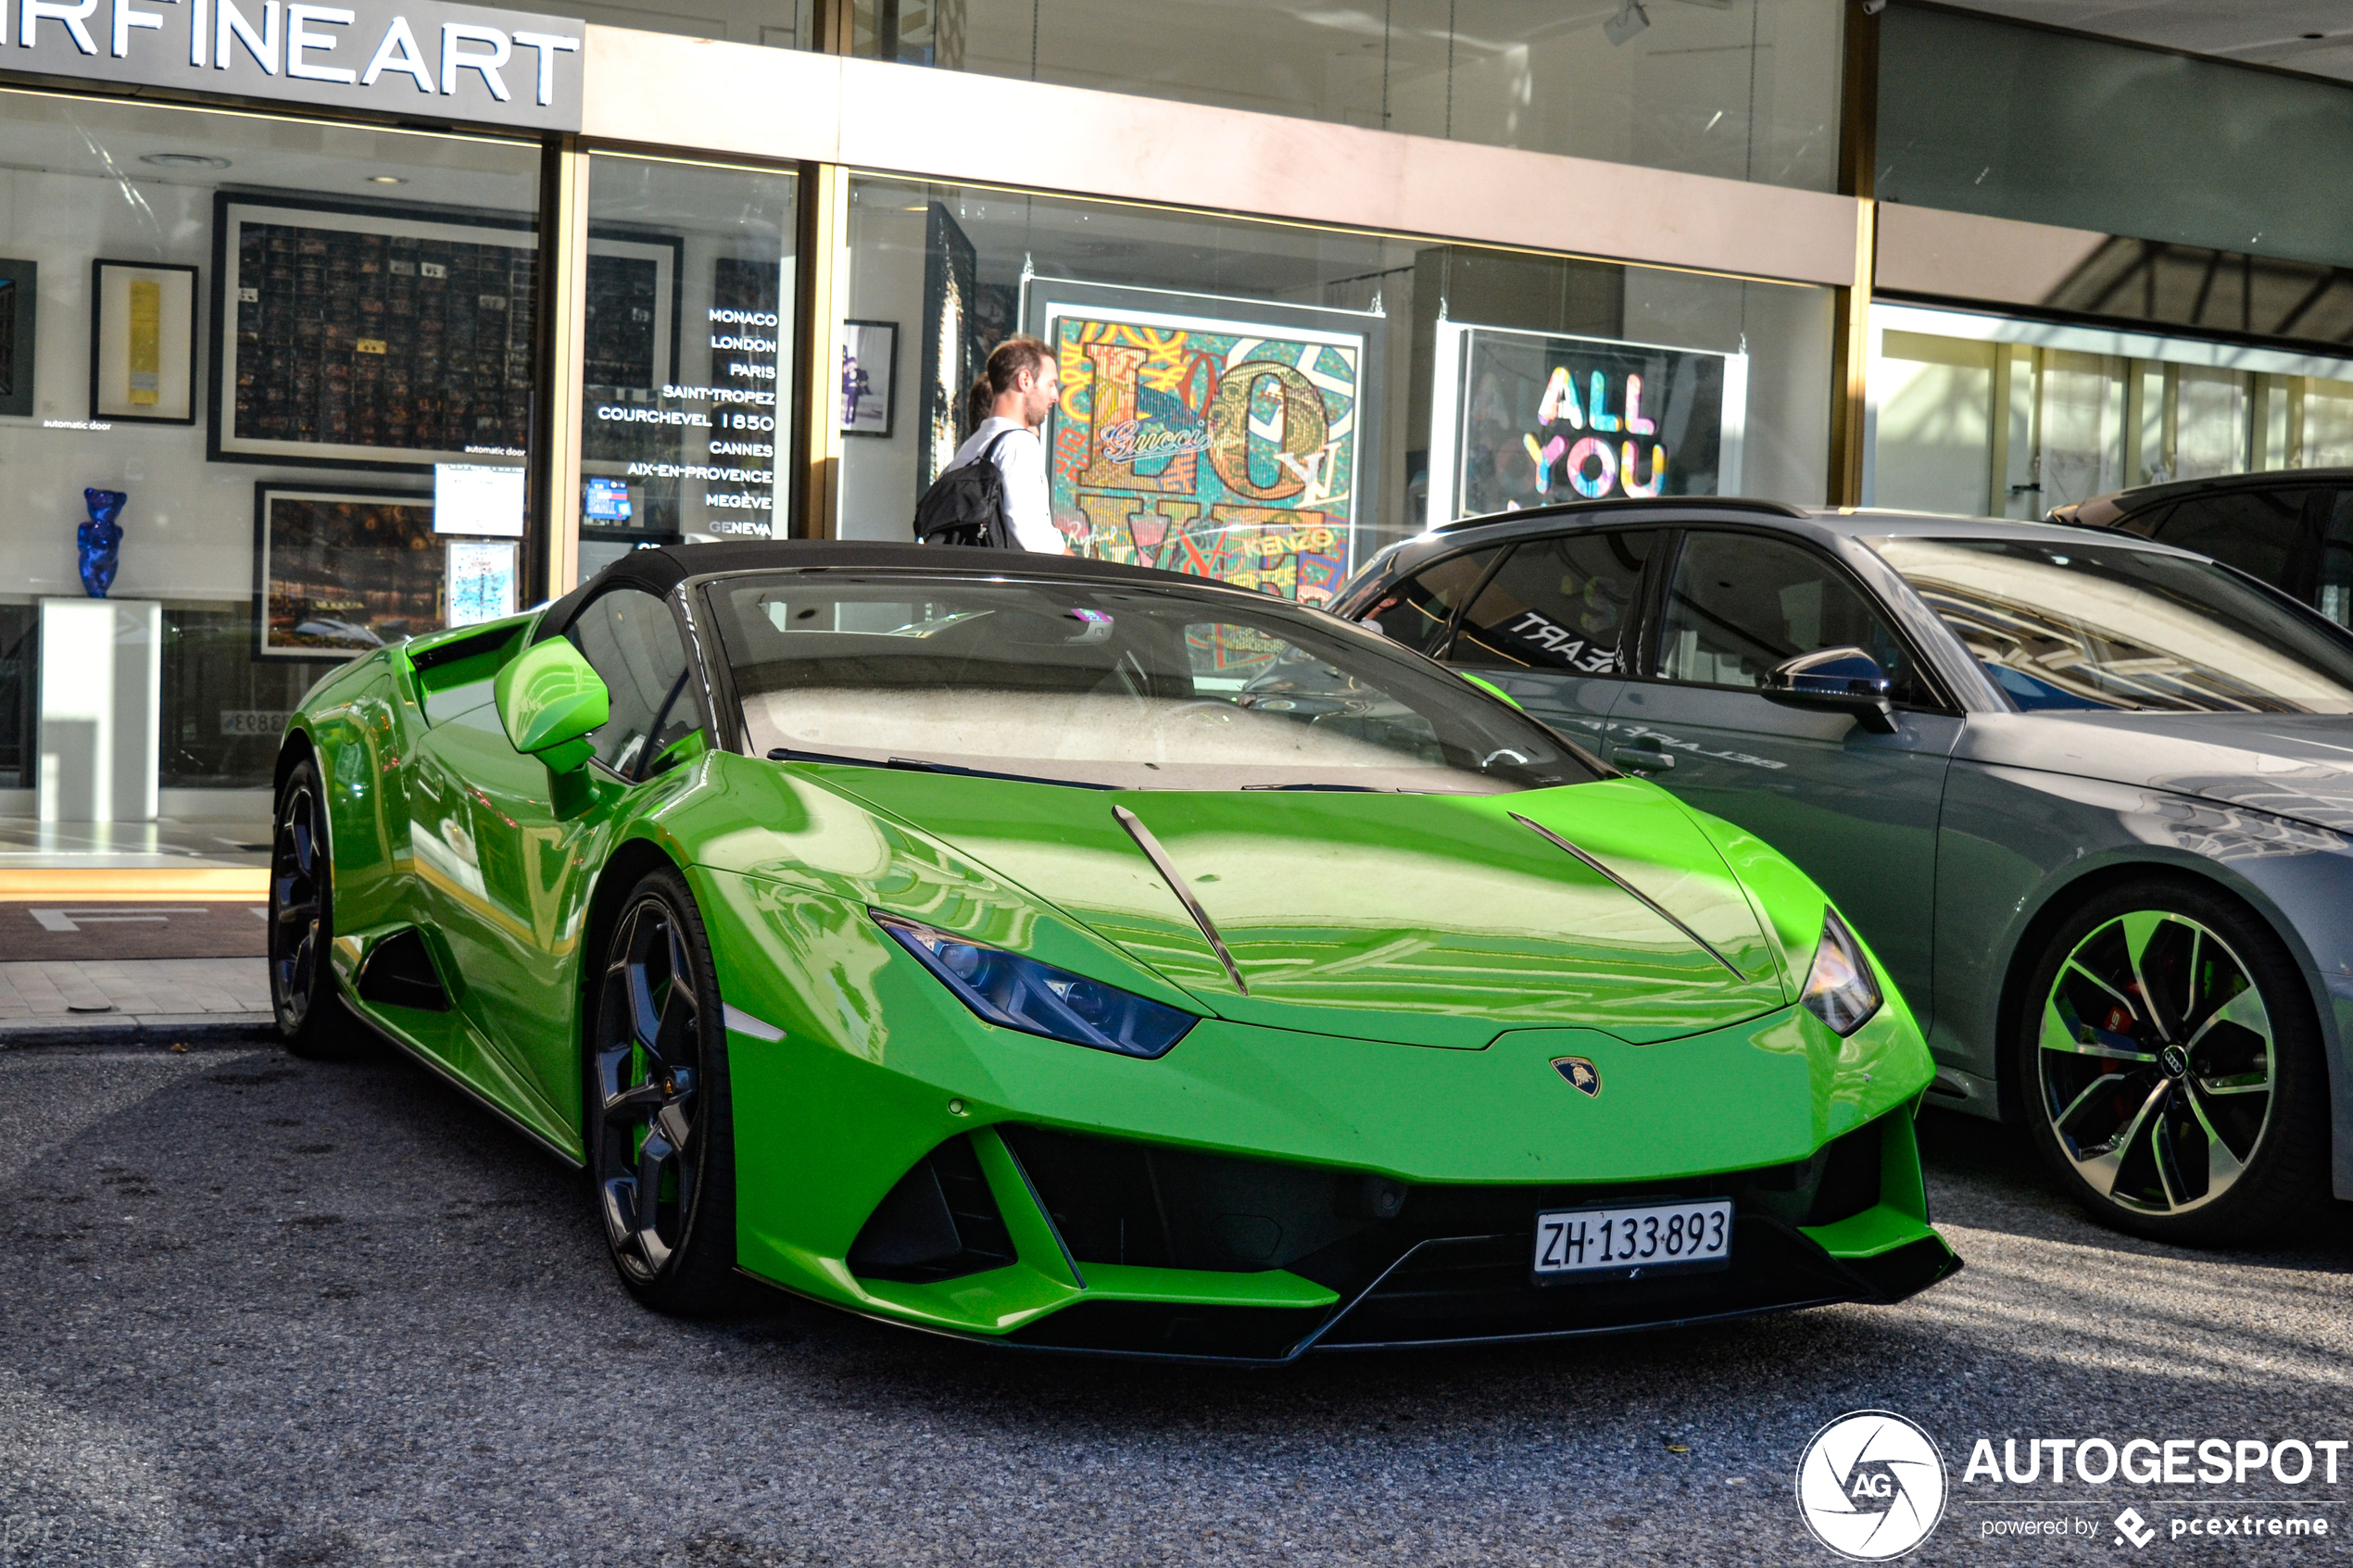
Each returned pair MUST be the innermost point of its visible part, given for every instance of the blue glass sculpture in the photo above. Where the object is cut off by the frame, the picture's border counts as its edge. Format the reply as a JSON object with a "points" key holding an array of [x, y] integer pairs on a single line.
{"points": [[100, 540]]}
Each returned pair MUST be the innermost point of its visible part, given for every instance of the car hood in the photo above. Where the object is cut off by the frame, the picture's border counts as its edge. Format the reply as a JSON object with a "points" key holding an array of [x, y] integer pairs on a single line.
{"points": [[2293, 765], [1422, 919]]}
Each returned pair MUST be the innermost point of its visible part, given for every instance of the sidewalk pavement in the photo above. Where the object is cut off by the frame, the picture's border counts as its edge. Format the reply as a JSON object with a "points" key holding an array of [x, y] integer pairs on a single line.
{"points": [[126, 1001]]}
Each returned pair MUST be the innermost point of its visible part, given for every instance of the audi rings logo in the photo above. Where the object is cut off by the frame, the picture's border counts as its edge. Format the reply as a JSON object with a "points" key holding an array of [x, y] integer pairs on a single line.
{"points": [[1870, 1485]]}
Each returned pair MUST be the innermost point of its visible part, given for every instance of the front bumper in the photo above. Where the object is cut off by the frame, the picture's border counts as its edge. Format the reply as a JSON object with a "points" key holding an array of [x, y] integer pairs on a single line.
{"points": [[896, 1156], [1053, 1240]]}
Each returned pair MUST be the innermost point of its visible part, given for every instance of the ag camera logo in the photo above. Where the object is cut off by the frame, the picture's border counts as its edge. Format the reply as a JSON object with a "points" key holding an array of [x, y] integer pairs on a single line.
{"points": [[1870, 1485]]}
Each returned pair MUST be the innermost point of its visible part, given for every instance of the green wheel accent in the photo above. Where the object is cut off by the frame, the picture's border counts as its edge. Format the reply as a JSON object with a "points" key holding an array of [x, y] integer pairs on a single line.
{"points": [[2156, 1062]]}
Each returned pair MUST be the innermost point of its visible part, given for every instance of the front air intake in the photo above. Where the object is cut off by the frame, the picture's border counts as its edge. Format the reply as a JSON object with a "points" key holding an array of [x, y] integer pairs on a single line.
{"points": [[941, 1222]]}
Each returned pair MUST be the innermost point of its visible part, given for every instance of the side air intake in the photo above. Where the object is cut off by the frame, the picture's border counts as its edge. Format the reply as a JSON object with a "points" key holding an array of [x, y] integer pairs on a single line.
{"points": [[399, 972]]}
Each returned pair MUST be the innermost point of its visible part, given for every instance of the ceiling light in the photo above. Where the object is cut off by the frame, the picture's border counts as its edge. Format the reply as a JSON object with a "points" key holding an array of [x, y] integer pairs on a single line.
{"points": [[387, 180], [1631, 20], [183, 160]]}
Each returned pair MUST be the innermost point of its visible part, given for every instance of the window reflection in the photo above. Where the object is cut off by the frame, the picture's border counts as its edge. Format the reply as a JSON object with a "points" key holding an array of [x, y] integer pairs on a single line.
{"points": [[2096, 626], [1740, 88]]}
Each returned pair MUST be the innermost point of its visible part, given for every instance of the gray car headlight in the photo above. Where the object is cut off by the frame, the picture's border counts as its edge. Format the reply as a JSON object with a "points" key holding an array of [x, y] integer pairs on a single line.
{"points": [[1015, 992], [1839, 988]]}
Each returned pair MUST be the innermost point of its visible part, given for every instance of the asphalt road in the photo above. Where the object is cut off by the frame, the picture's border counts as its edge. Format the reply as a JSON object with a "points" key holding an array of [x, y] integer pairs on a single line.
{"points": [[259, 1310]]}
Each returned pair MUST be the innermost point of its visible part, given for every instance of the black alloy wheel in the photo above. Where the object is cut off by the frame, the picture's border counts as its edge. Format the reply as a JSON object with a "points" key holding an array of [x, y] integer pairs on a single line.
{"points": [[2169, 1062], [659, 1132], [302, 979]]}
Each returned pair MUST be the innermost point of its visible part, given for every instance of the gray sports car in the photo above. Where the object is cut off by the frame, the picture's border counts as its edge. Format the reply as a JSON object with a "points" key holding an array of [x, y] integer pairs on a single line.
{"points": [[2090, 798]]}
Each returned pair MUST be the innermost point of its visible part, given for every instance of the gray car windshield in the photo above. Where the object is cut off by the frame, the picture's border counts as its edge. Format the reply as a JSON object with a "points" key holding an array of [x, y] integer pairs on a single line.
{"points": [[1128, 686], [2102, 625]]}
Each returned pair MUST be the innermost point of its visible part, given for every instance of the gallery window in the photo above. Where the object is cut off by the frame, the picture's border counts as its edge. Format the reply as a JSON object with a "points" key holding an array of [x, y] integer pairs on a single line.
{"points": [[1272, 403], [305, 353], [689, 364]]}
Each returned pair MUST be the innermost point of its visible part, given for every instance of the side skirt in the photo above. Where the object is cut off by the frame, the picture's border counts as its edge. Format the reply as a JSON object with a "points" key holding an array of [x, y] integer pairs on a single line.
{"points": [[458, 1081]]}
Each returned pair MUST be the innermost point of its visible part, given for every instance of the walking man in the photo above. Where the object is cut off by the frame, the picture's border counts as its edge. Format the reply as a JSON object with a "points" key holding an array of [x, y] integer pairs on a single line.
{"points": [[1020, 388]]}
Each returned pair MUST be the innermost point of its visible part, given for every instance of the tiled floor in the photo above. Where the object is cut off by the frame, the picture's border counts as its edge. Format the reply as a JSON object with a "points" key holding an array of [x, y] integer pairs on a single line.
{"points": [[132, 988]]}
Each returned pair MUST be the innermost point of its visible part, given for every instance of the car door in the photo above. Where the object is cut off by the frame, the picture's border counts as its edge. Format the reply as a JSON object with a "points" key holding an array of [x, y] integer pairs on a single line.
{"points": [[1553, 625], [531, 854], [1855, 809]]}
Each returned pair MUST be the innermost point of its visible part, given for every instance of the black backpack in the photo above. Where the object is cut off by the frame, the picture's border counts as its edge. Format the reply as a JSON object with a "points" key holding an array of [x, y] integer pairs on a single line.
{"points": [[966, 506]]}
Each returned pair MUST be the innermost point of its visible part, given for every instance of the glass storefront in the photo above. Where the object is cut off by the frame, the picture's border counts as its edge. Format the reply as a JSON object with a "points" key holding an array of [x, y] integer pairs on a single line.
{"points": [[689, 439], [304, 352], [310, 354], [1271, 402], [1745, 89], [1986, 415]]}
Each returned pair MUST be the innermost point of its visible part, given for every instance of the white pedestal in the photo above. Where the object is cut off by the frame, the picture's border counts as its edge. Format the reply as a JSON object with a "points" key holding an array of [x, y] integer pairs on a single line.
{"points": [[101, 710]]}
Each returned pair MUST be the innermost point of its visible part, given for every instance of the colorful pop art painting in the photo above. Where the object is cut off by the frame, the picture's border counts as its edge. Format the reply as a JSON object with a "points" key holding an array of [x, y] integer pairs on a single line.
{"points": [[1227, 448], [1543, 417]]}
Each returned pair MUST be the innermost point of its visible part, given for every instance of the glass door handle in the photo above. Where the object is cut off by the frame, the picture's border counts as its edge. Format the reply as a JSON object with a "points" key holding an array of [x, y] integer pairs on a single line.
{"points": [[1641, 759]]}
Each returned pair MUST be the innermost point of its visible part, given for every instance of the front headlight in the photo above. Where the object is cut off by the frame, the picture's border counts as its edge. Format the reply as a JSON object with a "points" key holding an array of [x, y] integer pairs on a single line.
{"points": [[1839, 988], [1020, 993]]}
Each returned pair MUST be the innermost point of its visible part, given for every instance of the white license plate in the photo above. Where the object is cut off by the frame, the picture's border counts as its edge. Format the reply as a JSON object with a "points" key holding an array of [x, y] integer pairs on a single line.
{"points": [[1573, 1241]]}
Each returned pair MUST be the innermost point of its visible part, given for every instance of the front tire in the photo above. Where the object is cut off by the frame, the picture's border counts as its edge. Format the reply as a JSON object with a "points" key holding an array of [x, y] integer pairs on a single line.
{"points": [[302, 976], [2171, 1066], [660, 1127]]}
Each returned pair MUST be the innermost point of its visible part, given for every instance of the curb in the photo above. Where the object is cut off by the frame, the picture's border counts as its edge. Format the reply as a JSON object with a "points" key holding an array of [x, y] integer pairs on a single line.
{"points": [[151, 1029]]}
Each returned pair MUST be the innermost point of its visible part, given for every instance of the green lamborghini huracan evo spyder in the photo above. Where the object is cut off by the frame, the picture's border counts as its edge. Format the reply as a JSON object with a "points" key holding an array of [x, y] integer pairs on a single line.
{"points": [[1073, 955]]}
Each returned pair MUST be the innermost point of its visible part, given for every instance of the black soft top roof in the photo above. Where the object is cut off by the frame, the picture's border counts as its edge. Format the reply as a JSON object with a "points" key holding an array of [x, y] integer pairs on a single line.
{"points": [[660, 570]]}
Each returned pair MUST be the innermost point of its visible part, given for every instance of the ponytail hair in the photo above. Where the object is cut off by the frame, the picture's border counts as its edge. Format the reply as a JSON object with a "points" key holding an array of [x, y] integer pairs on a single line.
{"points": [[978, 398]]}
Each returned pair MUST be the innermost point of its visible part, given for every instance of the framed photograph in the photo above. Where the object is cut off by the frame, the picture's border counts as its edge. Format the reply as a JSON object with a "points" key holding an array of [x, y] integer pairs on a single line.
{"points": [[869, 366], [1210, 434], [19, 294], [352, 334], [482, 581], [339, 573], [143, 342]]}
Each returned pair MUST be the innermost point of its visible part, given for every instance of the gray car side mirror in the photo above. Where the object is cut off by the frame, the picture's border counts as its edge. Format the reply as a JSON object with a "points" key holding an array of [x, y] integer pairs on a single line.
{"points": [[1842, 680]]}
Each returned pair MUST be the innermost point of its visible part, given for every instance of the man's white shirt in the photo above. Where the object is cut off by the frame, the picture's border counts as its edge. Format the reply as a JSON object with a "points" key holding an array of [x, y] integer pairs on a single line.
{"points": [[1022, 459]]}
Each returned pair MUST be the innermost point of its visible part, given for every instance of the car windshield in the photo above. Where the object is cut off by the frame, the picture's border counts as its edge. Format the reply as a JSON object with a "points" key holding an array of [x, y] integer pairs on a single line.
{"points": [[1125, 685], [2103, 625]]}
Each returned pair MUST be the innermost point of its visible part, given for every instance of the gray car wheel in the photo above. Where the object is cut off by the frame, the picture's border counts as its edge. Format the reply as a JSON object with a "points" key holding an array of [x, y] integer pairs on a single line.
{"points": [[661, 1132], [2170, 1063], [301, 911]]}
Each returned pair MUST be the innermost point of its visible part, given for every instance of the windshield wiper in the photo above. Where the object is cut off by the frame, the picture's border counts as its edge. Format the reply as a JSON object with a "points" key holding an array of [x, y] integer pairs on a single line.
{"points": [[1357, 789], [793, 754], [918, 765]]}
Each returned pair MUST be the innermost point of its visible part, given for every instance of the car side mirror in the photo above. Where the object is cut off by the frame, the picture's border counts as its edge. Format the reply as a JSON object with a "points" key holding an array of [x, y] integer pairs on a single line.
{"points": [[549, 698], [1842, 680]]}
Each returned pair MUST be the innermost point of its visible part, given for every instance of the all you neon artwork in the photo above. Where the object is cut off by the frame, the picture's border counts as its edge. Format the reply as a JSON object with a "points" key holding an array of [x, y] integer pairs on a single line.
{"points": [[1594, 464]]}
